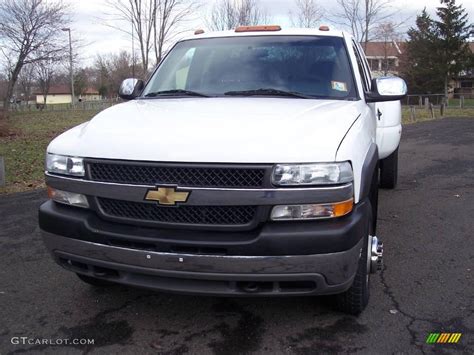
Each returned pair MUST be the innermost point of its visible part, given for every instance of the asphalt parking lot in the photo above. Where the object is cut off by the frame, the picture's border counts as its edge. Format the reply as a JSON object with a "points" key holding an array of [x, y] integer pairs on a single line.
{"points": [[427, 284]]}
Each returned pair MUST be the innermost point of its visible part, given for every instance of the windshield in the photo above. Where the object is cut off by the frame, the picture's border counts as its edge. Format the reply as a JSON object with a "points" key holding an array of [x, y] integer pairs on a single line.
{"points": [[292, 66]]}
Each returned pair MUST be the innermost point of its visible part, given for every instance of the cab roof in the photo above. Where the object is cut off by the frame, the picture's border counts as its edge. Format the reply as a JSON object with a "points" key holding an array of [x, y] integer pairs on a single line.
{"points": [[282, 32]]}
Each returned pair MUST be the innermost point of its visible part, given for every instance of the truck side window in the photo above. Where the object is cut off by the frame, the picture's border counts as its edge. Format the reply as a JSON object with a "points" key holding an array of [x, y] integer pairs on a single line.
{"points": [[360, 64], [366, 64]]}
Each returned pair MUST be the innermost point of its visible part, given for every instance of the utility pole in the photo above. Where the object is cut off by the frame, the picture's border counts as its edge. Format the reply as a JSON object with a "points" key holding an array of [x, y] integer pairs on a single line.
{"points": [[71, 72]]}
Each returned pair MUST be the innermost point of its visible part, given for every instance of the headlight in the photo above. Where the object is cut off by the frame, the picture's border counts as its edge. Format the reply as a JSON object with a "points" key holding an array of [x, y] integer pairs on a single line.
{"points": [[308, 212], [68, 198], [60, 164], [312, 174]]}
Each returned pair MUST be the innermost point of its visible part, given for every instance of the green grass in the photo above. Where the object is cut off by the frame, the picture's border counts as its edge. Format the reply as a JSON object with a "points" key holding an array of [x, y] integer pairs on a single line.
{"points": [[422, 114], [24, 149], [455, 103]]}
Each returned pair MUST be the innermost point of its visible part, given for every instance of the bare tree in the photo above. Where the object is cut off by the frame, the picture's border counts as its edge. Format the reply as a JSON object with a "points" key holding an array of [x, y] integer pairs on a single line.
{"points": [[140, 15], [169, 17], [26, 80], [152, 23], [44, 73], [362, 16], [111, 70], [228, 14], [30, 31], [307, 15]]}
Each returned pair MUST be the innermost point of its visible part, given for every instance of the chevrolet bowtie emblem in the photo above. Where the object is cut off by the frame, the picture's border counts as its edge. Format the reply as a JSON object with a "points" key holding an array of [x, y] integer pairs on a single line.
{"points": [[167, 196]]}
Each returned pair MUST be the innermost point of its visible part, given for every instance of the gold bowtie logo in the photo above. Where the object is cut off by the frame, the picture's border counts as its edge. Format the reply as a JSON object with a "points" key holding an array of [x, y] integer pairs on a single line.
{"points": [[167, 196]]}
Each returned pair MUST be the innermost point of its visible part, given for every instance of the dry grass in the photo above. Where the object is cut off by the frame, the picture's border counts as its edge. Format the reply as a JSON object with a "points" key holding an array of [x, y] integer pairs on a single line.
{"points": [[25, 144], [4, 128]]}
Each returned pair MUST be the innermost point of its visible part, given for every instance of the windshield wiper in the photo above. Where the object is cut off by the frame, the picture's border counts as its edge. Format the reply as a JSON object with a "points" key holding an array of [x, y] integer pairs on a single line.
{"points": [[176, 92], [268, 92]]}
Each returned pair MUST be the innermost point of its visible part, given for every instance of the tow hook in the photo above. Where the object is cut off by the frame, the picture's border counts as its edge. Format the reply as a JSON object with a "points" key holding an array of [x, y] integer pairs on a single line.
{"points": [[376, 254]]}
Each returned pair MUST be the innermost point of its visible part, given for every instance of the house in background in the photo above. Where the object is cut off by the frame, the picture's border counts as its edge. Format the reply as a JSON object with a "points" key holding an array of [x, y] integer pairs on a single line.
{"points": [[58, 94], [464, 85], [384, 57], [90, 94], [61, 94]]}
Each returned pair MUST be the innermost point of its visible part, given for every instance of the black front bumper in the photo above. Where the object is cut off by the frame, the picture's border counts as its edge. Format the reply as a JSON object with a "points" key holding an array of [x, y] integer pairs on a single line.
{"points": [[282, 258]]}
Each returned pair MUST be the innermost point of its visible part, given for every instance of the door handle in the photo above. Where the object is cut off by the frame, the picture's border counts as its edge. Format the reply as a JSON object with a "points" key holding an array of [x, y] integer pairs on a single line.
{"points": [[379, 114]]}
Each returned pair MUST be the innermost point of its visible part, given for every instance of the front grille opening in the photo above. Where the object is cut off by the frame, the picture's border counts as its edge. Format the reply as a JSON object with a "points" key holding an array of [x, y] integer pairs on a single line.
{"points": [[73, 265], [105, 272], [254, 286], [192, 176], [194, 215], [297, 286], [198, 250], [98, 271]]}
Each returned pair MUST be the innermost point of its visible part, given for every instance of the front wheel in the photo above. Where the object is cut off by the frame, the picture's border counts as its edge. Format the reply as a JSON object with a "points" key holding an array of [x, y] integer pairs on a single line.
{"points": [[389, 171], [355, 299]]}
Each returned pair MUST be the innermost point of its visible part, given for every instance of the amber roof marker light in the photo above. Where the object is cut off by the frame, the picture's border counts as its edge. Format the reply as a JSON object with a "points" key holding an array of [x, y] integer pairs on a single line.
{"points": [[199, 31], [324, 28], [268, 28]]}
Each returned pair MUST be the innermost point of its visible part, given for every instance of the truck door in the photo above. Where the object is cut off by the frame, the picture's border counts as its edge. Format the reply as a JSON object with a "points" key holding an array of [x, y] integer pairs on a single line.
{"points": [[389, 127], [388, 116]]}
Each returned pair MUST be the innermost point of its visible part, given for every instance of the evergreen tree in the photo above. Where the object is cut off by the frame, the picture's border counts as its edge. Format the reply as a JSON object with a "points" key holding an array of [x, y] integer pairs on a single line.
{"points": [[453, 32], [419, 65], [438, 50]]}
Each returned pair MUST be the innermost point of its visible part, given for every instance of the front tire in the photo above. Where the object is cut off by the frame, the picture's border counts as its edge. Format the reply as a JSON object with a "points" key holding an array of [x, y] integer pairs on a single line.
{"points": [[355, 299], [389, 171]]}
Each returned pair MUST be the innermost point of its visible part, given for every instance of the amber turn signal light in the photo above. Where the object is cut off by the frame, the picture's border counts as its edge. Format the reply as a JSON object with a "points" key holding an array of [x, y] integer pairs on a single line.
{"points": [[343, 208]]}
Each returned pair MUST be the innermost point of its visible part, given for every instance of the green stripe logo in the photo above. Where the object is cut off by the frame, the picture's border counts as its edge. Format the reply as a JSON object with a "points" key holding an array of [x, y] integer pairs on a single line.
{"points": [[432, 338]]}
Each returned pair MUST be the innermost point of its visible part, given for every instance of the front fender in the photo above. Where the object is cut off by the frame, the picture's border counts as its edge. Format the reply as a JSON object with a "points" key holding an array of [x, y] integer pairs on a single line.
{"points": [[359, 147]]}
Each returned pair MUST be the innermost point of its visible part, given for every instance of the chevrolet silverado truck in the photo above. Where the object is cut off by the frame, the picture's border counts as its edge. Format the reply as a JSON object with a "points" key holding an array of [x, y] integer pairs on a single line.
{"points": [[248, 164]]}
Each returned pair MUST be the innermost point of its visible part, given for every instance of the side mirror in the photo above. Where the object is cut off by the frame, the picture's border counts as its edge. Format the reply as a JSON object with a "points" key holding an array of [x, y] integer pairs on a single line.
{"points": [[387, 89], [131, 88]]}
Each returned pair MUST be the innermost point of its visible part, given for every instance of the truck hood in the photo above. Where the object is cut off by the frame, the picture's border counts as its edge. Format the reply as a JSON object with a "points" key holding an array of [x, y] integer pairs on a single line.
{"points": [[213, 130]]}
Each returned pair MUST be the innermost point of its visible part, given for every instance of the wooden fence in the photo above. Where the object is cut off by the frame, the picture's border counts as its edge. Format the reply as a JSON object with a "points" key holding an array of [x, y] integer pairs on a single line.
{"points": [[437, 100]]}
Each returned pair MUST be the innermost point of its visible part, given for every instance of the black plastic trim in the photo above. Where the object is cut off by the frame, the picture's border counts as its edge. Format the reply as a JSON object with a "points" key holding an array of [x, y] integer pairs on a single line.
{"points": [[368, 168], [270, 238]]}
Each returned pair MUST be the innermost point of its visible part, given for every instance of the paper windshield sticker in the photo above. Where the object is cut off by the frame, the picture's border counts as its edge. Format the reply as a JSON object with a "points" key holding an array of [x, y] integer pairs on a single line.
{"points": [[339, 86]]}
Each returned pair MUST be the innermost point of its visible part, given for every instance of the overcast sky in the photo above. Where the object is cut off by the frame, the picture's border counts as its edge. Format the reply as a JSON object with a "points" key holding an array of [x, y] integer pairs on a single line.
{"points": [[90, 26]]}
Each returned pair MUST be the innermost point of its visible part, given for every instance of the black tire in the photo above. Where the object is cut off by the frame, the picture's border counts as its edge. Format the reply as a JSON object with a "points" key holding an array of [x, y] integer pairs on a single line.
{"points": [[94, 281], [389, 171], [355, 299]]}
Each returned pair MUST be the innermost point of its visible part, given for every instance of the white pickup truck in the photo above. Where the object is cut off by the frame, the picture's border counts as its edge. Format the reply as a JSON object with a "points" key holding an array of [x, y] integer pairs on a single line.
{"points": [[247, 165]]}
